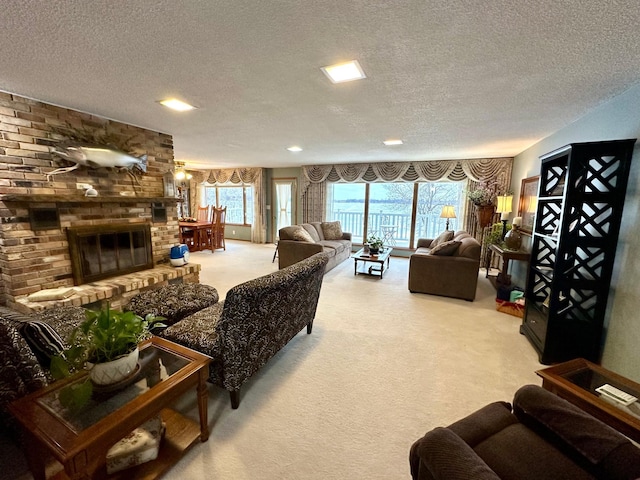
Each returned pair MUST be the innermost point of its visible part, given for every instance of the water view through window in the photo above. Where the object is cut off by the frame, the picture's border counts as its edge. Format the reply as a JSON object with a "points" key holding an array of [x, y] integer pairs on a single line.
{"points": [[389, 209]]}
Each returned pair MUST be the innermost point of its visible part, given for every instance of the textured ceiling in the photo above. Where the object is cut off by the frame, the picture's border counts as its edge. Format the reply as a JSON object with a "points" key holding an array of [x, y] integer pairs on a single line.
{"points": [[453, 79]]}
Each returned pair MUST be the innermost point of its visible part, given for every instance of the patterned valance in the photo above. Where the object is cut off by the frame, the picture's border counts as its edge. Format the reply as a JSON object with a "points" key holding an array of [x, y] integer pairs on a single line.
{"points": [[431, 171], [233, 175]]}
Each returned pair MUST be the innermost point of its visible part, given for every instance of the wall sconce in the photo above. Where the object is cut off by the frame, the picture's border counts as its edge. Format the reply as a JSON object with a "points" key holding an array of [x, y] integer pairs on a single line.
{"points": [[180, 173], [447, 212], [504, 208]]}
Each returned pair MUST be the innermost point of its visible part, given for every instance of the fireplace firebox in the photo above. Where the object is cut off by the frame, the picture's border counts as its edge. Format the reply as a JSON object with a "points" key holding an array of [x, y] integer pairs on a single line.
{"points": [[104, 251]]}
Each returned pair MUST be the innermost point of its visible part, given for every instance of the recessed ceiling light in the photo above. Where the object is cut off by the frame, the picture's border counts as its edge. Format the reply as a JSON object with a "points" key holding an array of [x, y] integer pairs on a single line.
{"points": [[344, 72], [175, 104], [393, 142], [295, 148]]}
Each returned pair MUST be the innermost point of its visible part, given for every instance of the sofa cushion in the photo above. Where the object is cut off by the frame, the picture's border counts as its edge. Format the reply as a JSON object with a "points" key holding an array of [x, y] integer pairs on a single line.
{"points": [[337, 246], [173, 302], [445, 249], [197, 331], [545, 412], [332, 230], [329, 251], [43, 340], [63, 319], [301, 235], [313, 231], [443, 237]]}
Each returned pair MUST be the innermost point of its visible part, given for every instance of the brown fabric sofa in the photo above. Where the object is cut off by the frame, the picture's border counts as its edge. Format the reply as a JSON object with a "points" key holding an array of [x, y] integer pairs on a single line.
{"points": [[291, 250], [543, 437], [454, 275]]}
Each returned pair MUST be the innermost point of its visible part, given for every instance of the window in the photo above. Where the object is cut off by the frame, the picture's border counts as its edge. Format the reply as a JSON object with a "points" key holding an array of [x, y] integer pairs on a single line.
{"points": [[238, 200], [398, 213], [345, 202]]}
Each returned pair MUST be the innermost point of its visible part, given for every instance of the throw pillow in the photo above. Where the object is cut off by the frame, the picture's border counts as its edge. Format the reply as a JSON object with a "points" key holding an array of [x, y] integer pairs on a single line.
{"points": [[445, 249], [332, 230], [43, 340], [443, 237], [301, 235]]}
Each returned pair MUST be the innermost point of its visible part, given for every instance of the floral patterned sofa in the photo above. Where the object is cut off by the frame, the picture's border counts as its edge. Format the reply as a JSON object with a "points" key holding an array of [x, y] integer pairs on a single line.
{"points": [[256, 319]]}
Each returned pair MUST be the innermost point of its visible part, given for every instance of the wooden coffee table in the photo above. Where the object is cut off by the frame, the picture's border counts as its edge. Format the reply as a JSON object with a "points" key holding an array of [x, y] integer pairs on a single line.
{"points": [[577, 380], [80, 440], [380, 259]]}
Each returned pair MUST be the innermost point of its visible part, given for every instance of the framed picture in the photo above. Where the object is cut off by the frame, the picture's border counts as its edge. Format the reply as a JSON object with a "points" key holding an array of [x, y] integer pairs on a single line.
{"points": [[528, 203]]}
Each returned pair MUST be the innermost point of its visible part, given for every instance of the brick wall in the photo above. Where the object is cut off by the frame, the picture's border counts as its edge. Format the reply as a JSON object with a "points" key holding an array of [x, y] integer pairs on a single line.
{"points": [[33, 260]]}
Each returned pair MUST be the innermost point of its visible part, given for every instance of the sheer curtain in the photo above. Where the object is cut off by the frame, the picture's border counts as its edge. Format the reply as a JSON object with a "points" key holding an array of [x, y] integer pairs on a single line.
{"points": [[283, 196]]}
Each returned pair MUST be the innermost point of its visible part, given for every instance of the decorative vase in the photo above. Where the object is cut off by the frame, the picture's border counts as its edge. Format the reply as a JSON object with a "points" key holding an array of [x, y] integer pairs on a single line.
{"points": [[374, 251], [484, 213], [513, 238], [114, 371]]}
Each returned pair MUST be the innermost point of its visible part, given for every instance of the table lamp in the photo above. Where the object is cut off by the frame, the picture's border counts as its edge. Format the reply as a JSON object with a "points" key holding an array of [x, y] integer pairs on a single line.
{"points": [[447, 212], [504, 208]]}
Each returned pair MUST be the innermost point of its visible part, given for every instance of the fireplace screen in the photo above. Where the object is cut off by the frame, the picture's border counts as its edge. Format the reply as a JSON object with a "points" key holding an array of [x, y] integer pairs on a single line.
{"points": [[105, 251]]}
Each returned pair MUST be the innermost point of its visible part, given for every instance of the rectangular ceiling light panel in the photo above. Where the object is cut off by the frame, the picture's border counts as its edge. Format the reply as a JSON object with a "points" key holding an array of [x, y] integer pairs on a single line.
{"points": [[344, 72], [175, 104]]}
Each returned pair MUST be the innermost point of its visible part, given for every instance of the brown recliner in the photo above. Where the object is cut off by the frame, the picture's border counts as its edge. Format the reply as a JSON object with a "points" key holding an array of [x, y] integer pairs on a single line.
{"points": [[542, 437], [453, 275]]}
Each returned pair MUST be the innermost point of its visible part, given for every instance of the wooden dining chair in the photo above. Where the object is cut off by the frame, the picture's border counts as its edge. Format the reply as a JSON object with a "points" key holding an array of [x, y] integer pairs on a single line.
{"points": [[193, 237], [219, 222]]}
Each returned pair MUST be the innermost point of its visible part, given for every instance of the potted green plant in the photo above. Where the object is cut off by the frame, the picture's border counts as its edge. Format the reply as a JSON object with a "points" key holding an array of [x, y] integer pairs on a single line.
{"points": [[375, 244], [107, 344]]}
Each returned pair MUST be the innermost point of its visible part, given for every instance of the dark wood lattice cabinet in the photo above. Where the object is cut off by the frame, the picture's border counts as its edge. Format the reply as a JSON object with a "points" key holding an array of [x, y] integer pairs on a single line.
{"points": [[580, 202]]}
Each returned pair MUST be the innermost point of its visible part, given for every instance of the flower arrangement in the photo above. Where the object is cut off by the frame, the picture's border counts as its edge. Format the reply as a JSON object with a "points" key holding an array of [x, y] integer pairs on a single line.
{"points": [[484, 194]]}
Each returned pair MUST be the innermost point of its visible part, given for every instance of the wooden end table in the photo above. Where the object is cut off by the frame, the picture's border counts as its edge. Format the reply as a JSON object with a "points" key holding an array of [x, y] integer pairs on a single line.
{"points": [[577, 380], [80, 440], [506, 255], [380, 259]]}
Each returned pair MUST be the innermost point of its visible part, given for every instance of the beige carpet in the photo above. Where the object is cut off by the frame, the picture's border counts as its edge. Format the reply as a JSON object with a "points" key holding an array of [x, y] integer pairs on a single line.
{"points": [[382, 367]]}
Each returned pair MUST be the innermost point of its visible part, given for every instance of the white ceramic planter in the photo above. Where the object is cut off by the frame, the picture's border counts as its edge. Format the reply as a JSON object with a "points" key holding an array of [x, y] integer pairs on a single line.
{"points": [[113, 372]]}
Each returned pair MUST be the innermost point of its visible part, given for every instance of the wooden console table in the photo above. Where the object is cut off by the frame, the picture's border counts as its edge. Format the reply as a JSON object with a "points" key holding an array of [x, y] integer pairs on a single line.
{"points": [[507, 256], [576, 381]]}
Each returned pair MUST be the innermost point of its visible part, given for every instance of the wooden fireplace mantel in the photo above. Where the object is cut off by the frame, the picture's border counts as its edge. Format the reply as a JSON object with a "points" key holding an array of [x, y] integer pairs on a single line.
{"points": [[82, 199]]}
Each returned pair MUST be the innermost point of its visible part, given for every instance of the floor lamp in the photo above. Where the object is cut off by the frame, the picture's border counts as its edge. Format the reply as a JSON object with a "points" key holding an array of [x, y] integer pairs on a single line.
{"points": [[447, 212]]}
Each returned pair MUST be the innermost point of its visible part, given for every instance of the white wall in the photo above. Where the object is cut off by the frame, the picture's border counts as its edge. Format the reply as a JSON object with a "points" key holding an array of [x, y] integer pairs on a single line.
{"points": [[617, 119]]}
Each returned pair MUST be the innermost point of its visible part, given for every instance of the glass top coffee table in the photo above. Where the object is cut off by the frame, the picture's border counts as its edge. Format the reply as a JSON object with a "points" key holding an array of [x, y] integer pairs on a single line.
{"points": [[577, 381], [79, 439], [363, 258]]}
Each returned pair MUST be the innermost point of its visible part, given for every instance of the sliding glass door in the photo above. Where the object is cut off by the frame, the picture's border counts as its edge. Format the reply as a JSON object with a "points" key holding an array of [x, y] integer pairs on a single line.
{"points": [[399, 213]]}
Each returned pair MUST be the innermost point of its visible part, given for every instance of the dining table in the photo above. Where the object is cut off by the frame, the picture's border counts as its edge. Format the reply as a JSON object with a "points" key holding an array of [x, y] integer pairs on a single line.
{"points": [[200, 239]]}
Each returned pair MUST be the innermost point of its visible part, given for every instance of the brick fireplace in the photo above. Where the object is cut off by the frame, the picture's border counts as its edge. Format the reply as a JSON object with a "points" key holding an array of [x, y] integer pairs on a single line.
{"points": [[35, 213]]}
